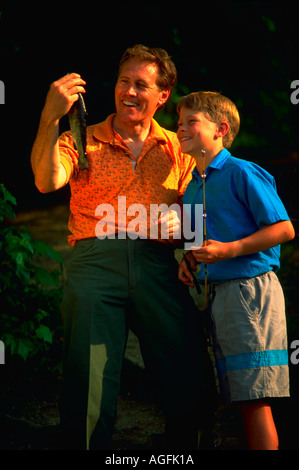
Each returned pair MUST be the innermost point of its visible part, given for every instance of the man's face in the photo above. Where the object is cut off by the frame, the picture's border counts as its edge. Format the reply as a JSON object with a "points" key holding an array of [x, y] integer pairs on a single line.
{"points": [[137, 96]]}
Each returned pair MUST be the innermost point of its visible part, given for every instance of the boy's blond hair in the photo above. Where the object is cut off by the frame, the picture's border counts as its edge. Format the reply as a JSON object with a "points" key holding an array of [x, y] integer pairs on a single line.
{"points": [[216, 108]]}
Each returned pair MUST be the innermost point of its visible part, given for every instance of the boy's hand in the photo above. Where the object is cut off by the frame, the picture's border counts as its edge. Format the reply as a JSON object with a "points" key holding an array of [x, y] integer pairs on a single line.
{"points": [[213, 252], [184, 275]]}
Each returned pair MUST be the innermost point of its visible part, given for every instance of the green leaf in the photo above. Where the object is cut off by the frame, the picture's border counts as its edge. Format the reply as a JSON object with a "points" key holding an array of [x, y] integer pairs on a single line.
{"points": [[42, 248], [44, 333], [26, 240], [41, 314], [24, 348], [9, 340], [22, 271], [7, 196], [270, 23], [6, 200], [18, 346], [44, 277]]}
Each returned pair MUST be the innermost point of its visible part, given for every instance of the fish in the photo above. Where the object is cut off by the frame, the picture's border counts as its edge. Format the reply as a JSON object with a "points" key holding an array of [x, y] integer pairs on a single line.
{"points": [[78, 121]]}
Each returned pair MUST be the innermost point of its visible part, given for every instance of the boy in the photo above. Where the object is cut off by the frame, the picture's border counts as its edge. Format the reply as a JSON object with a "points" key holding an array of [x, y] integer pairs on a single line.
{"points": [[245, 222]]}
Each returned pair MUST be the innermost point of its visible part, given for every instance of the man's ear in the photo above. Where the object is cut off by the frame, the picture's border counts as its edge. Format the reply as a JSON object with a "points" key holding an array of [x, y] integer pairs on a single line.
{"points": [[222, 129], [164, 97]]}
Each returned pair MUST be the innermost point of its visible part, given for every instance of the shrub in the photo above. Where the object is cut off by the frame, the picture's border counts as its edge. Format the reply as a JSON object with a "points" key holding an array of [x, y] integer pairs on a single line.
{"points": [[30, 295]]}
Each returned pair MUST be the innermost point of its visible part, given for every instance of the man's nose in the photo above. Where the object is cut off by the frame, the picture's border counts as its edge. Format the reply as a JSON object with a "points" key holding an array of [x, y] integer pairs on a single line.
{"points": [[132, 91]]}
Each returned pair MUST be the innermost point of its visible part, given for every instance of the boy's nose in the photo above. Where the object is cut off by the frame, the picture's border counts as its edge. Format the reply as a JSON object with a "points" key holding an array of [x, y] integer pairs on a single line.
{"points": [[181, 130]]}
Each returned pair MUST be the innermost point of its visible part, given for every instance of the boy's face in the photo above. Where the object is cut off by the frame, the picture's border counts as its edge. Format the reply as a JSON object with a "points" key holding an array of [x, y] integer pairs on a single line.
{"points": [[196, 132]]}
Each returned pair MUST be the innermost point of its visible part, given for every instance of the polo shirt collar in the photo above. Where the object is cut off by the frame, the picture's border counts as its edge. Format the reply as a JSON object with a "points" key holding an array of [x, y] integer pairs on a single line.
{"points": [[104, 130], [220, 159], [105, 133], [217, 163]]}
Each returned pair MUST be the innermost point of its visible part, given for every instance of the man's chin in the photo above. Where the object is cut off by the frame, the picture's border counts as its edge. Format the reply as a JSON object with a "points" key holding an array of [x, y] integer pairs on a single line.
{"points": [[128, 117]]}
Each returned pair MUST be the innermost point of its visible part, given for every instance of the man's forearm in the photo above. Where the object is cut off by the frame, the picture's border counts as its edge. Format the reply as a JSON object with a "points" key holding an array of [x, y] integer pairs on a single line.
{"points": [[48, 172]]}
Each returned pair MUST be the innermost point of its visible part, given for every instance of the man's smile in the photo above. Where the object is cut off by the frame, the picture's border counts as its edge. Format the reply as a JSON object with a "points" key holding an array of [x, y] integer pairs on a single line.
{"points": [[130, 103]]}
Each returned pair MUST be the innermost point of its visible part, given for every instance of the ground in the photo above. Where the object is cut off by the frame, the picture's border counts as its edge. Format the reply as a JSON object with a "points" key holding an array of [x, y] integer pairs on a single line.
{"points": [[29, 412]]}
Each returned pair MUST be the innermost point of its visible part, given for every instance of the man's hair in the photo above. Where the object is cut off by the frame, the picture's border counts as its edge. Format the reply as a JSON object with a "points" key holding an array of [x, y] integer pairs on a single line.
{"points": [[167, 73], [216, 108]]}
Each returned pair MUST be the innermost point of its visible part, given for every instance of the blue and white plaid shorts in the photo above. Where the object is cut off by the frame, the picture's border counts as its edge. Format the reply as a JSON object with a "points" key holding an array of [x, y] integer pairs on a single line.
{"points": [[250, 338]]}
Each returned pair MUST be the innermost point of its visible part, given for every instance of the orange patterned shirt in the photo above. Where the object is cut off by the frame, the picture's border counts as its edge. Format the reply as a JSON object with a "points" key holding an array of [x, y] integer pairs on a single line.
{"points": [[116, 193]]}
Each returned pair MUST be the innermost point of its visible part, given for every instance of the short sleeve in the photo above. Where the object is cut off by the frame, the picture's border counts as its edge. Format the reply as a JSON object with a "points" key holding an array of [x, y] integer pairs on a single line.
{"points": [[257, 190], [68, 155]]}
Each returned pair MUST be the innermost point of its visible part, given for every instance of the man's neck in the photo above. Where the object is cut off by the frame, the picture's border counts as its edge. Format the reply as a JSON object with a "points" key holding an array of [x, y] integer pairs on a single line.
{"points": [[132, 132], [134, 136]]}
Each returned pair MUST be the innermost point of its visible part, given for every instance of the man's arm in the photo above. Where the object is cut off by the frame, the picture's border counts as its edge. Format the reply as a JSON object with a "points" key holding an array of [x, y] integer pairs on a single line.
{"points": [[48, 171]]}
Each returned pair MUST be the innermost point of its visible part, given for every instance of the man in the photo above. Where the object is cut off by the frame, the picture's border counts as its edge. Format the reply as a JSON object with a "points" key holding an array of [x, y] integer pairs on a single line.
{"points": [[124, 279]]}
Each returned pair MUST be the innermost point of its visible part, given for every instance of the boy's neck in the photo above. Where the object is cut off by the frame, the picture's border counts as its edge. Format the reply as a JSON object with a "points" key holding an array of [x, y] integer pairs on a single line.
{"points": [[204, 160]]}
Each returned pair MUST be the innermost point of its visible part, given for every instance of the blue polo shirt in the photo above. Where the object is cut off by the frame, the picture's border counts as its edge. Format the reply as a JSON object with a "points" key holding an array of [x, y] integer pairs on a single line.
{"points": [[241, 198]]}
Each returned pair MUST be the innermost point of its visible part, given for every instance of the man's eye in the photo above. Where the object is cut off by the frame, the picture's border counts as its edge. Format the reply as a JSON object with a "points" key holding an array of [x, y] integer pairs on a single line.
{"points": [[142, 85]]}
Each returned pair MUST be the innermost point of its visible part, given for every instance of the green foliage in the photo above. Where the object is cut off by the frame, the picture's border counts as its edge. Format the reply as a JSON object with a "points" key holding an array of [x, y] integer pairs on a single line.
{"points": [[30, 295]]}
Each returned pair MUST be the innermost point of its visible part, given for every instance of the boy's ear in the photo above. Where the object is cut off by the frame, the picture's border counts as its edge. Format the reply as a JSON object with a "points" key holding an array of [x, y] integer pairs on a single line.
{"points": [[223, 129]]}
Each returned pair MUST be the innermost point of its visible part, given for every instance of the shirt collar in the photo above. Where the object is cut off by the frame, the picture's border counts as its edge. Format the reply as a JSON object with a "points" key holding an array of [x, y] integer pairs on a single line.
{"points": [[105, 133], [220, 159], [217, 163]]}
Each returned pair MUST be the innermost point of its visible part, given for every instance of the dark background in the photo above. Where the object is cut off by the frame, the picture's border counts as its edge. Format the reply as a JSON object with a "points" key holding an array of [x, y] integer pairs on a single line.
{"points": [[246, 50]]}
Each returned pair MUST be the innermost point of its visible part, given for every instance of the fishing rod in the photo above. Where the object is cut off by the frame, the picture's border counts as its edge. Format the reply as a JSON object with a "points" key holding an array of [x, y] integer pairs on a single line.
{"points": [[196, 283], [203, 176]]}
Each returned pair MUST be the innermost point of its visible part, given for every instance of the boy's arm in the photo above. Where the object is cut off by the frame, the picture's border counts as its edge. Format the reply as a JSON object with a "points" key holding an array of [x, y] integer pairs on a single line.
{"points": [[263, 239]]}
